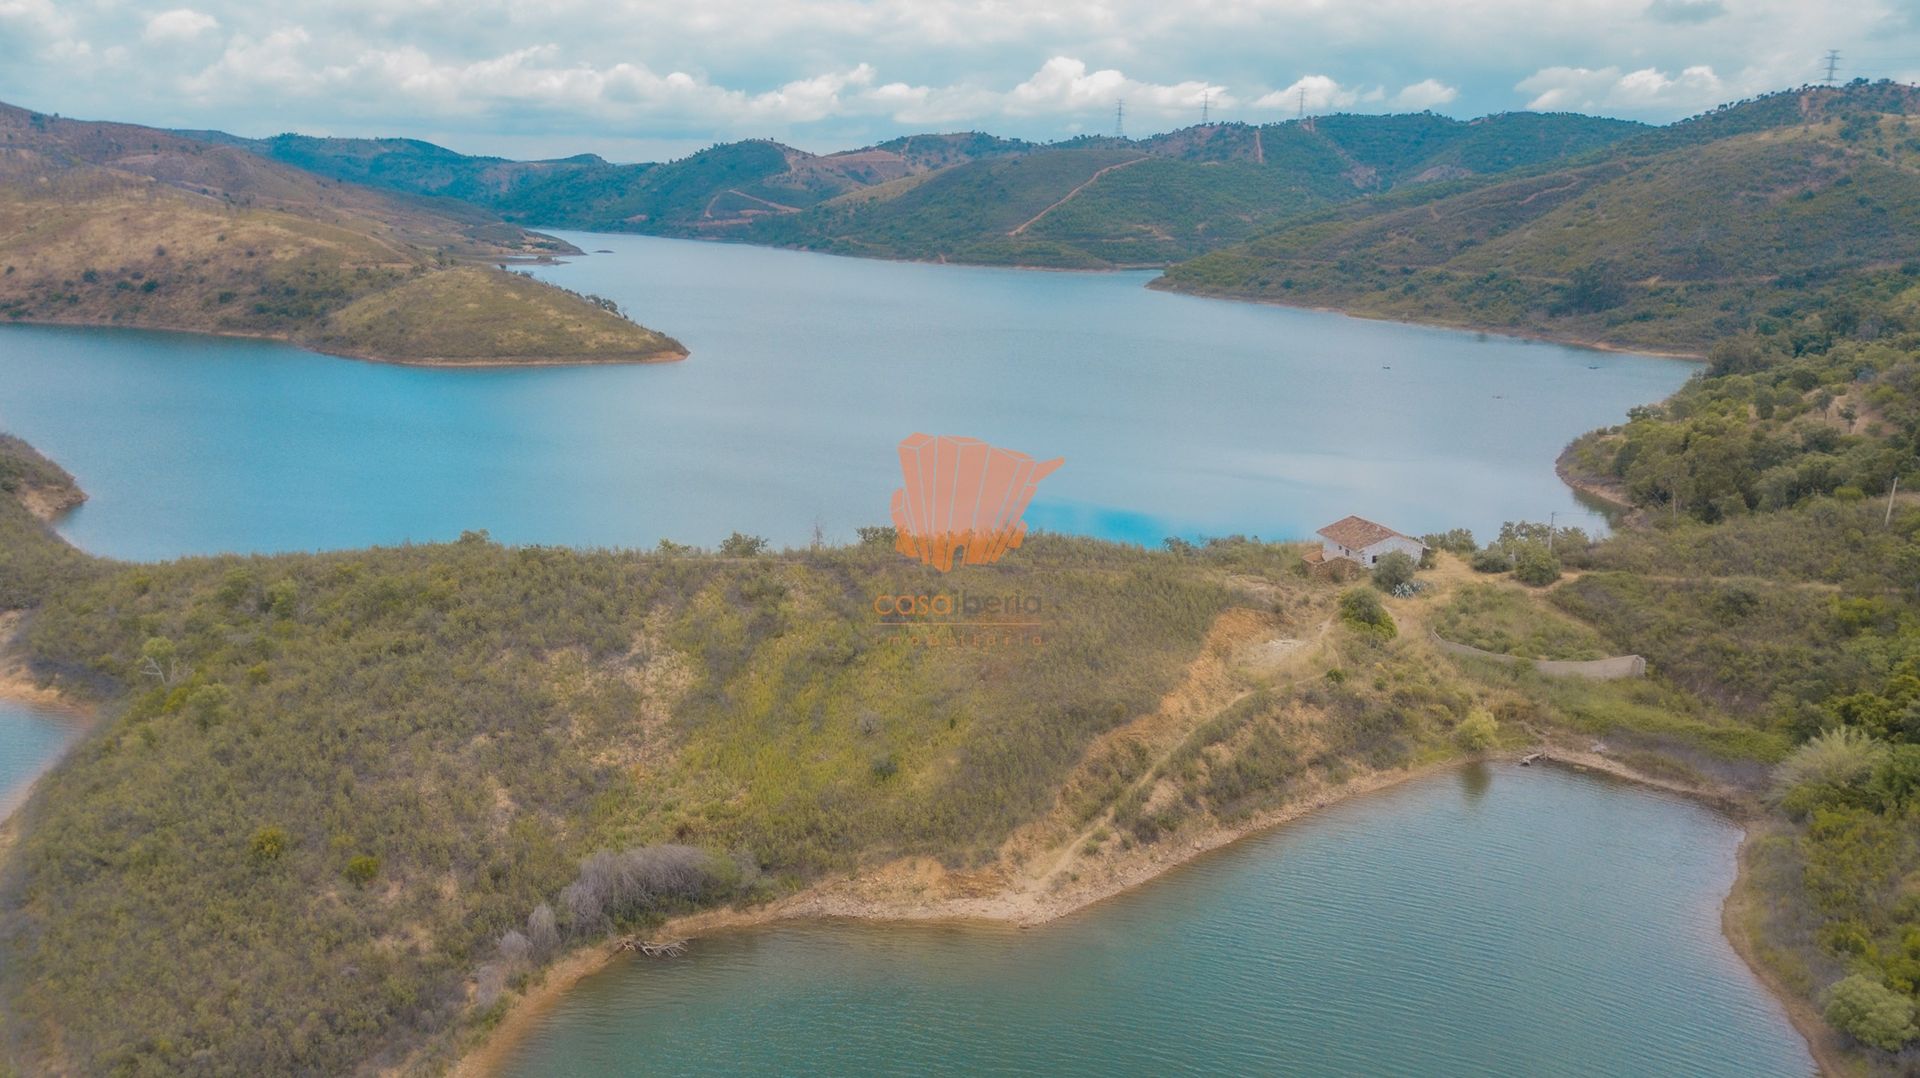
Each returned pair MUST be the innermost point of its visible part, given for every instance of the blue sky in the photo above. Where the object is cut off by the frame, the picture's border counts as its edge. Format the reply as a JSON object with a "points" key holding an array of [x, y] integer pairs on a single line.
{"points": [[645, 79]]}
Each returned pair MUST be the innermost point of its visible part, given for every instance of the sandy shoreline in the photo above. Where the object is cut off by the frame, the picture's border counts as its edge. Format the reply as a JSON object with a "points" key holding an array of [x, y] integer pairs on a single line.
{"points": [[844, 899], [1821, 1040], [18, 687]]}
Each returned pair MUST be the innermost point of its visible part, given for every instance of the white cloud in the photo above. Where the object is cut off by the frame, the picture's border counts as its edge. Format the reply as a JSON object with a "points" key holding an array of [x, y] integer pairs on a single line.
{"points": [[180, 24], [839, 72], [1561, 89], [1317, 93], [1564, 88], [1064, 85], [539, 77], [36, 17], [276, 62], [1425, 94], [1695, 86]]}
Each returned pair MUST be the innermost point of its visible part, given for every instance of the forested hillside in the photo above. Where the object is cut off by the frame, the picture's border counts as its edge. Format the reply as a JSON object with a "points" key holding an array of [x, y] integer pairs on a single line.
{"points": [[974, 197], [719, 188], [1674, 238], [1101, 202]]}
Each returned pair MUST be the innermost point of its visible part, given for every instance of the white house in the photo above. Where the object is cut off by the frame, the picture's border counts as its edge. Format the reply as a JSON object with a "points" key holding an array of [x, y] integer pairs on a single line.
{"points": [[1363, 541]]}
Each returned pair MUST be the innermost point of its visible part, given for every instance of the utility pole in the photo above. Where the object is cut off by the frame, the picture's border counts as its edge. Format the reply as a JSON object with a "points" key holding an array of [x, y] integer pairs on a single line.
{"points": [[1119, 117], [1833, 67], [1888, 523], [1206, 97], [1303, 104], [1551, 517]]}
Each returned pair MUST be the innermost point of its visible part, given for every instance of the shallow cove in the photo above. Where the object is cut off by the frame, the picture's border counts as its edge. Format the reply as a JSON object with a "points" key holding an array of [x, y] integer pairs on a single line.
{"points": [[1176, 415], [1491, 920], [31, 740]]}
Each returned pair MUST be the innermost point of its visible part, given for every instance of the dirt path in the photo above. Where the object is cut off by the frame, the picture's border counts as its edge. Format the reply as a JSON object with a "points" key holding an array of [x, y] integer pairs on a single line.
{"points": [[1550, 191], [707, 214], [1787, 585], [1291, 660], [1068, 197]]}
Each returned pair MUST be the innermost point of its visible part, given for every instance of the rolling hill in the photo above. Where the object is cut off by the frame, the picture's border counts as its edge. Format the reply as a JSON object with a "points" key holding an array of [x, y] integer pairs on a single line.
{"points": [[104, 223], [1665, 240], [1098, 203], [971, 197], [721, 187]]}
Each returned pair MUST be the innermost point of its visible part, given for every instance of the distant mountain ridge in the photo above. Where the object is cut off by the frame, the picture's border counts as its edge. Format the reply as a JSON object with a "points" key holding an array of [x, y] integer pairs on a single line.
{"points": [[967, 196], [724, 185]]}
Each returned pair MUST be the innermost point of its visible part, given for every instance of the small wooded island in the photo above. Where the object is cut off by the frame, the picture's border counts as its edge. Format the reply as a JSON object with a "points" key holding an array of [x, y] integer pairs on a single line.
{"points": [[117, 224]]}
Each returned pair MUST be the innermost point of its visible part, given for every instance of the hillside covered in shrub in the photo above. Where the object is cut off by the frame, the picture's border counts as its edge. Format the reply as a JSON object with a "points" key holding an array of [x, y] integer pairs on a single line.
{"points": [[1674, 238]]}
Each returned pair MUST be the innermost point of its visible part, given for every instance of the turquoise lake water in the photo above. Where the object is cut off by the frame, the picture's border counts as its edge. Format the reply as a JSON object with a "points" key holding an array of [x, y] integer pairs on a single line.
{"points": [[1491, 921], [31, 738], [1176, 415]]}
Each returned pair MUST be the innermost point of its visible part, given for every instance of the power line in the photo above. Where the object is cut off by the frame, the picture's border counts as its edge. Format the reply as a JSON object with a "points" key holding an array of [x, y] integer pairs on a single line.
{"points": [[1833, 67]]}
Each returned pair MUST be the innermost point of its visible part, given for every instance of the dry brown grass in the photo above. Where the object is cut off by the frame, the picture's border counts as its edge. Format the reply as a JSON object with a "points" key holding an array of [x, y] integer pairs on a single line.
{"points": [[475, 315], [121, 225]]}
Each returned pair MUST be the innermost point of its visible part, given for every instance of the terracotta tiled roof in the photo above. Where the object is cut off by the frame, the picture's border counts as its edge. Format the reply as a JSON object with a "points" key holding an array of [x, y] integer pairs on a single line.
{"points": [[1356, 533]]}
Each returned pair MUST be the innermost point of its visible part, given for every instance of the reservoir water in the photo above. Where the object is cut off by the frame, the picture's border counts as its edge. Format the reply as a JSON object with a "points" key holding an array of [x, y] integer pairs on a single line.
{"points": [[31, 738], [1489, 921], [1175, 415]]}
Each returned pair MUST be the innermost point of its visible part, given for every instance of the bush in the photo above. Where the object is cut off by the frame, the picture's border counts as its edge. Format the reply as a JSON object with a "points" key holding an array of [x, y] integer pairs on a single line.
{"points": [[1478, 732], [1896, 781], [1362, 609], [1871, 1013], [1457, 541], [618, 886], [1491, 560], [515, 948], [1831, 769], [542, 932], [1393, 570], [1535, 567], [210, 705], [283, 597], [268, 844], [739, 545], [361, 870], [1597, 286]]}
